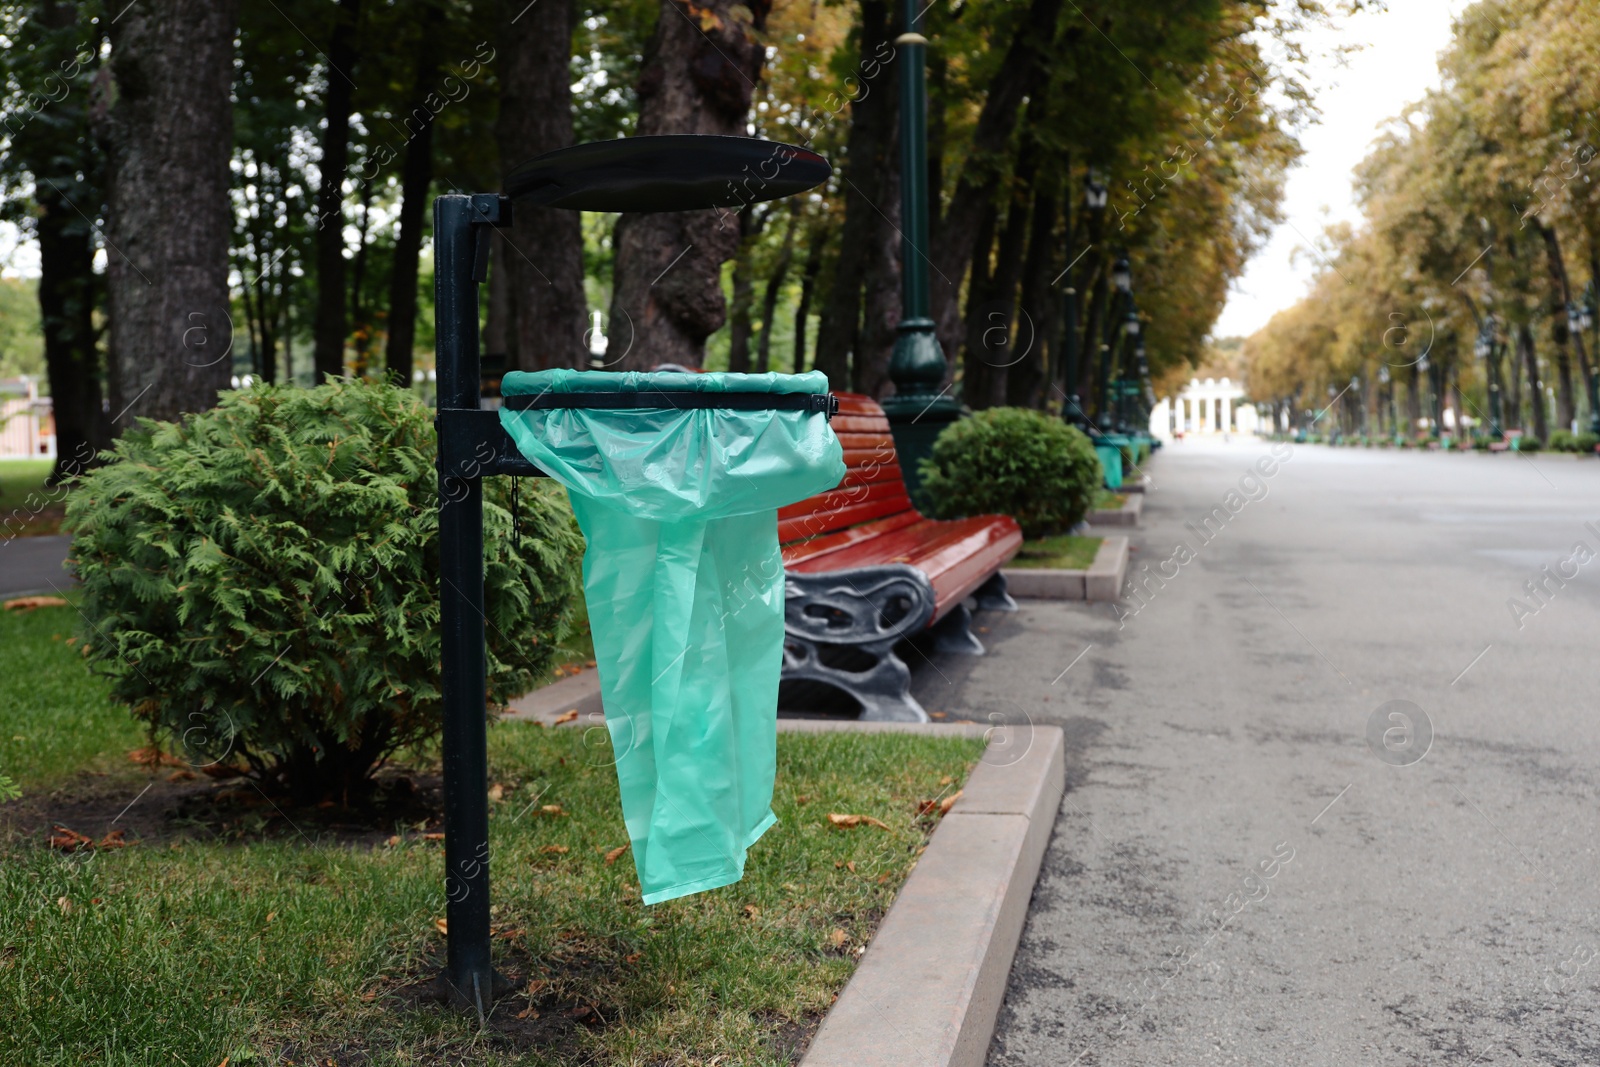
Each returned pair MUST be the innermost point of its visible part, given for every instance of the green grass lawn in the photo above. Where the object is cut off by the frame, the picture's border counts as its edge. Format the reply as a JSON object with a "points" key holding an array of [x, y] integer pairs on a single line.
{"points": [[1106, 500], [283, 939], [27, 508], [1067, 552]]}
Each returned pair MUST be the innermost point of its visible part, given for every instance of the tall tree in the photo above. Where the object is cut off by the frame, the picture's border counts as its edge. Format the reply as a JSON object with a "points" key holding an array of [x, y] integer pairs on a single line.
{"points": [[548, 312], [167, 117], [330, 323], [51, 150], [415, 177], [700, 71]]}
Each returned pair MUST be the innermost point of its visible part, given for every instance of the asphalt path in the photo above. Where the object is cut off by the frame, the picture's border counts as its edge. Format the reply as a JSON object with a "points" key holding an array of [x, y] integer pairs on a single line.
{"points": [[33, 565], [1332, 796]]}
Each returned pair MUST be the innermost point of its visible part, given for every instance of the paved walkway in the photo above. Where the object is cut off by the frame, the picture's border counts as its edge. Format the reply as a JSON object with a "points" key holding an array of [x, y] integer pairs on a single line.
{"points": [[1239, 875], [31, 564]]}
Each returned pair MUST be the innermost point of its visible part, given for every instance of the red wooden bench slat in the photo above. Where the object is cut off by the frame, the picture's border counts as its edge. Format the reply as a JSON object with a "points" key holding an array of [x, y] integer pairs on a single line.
{"points": [[797, 551], [868, 519]]}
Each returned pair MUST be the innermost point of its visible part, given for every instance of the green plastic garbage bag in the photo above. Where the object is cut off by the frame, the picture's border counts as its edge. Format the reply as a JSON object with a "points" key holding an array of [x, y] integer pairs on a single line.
{"points": [[684, 583]]}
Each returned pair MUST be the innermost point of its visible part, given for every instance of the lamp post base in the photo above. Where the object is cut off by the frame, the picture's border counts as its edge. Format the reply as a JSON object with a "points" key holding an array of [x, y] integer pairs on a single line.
{"points": [[916, 421]]}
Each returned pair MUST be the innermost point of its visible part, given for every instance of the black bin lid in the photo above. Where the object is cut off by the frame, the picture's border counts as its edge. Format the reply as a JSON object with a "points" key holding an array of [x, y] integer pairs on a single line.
{"points": [[666, 173]]}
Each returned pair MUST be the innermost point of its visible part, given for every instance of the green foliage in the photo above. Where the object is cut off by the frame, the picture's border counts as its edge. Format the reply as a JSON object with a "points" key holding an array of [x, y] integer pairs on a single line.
{"points": [[8, 789], [1563, 441], [21, 344], [1586, 443], [1017, 462], [1529, 443], [260, 580]]}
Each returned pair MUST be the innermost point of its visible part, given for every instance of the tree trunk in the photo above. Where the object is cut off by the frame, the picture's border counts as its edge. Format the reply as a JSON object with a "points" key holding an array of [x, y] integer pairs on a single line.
{"points": [[360, 325], [167, 121], [871, 119], [416, 175], [1560, 299], [808, 287], [880, 318], [1035, 320], [999, 313], [700, 70], [549, 312], [66, 312], [980, 293], [1541, 422], [328, 330], [775, 280], [1020, 75], [1413, 400]]}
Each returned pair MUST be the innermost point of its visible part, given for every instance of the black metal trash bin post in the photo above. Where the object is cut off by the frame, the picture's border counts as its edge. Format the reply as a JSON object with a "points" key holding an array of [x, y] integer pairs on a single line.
{"points": [[635, 174]]}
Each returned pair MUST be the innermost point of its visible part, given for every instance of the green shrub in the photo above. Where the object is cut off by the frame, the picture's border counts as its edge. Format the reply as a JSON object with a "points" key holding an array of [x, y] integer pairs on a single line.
{"points": [[1017, 462], [1586, 443], [8, 789], [1529, 443], [1135, 454], [1563, 441], [260, 581]]}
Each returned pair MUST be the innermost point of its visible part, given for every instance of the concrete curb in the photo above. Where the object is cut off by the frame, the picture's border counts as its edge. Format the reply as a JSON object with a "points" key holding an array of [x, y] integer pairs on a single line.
{"points": [[1140, 484], [1102, 581], [928, 991], [1127, 515]]}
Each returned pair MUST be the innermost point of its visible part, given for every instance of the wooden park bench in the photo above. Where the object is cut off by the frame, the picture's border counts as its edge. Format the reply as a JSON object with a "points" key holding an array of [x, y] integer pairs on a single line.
{"points": [[865, 570]]}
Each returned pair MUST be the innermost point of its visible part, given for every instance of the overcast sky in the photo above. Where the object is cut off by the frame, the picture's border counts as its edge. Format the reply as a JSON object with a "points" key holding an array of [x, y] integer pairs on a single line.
{"points": [[1397, 64]]}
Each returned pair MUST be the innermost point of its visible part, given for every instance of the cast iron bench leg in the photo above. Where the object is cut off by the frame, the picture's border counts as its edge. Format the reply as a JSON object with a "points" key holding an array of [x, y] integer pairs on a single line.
{"points": [[840, 629], [992, 594]]}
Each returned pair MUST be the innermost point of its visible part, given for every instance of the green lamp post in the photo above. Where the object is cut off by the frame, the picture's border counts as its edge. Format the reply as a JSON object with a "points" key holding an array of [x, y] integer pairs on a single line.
{"points": [[1095, 195], [920, 408]]}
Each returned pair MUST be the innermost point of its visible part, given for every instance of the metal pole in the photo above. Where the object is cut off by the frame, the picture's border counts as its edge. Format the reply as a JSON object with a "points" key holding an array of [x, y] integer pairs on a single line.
{"points": [[919, 408], [468, 975]]}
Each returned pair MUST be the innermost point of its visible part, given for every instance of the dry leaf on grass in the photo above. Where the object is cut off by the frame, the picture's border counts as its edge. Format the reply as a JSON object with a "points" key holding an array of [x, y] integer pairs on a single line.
{"points": [[946, 780], [496, 791], [850, 822], [69, 840], [553, 850], [394, 839], [611, 857], [182, 776], [567, 716], [443, 926], [29, 603], [838, 937], [433, 837], [948, 802], [551, 809], [751, 911], [153, 757]]}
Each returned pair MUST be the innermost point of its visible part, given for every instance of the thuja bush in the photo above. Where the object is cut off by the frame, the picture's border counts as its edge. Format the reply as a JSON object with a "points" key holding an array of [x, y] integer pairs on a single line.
{"points": [[1016, 462], [260, 581]]}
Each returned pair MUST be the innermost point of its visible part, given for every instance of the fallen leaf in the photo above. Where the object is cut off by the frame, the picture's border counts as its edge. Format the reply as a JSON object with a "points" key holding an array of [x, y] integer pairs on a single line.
{"points": [[554, 850], [751, 911], [152, 757], [496, 791], [567, 716], [271, 915], [29, 603], [443, 926], [528, 1013], [551, 809], [589, 664], [182, 776], [939, 714], [433, 837], [838, 937], [838, 865], [611, 857], [852, 821], [64, 904], [802, 799], [882, 878], [946, 780], [69, 840], [324, 804], [114, 839], [394, 839], [222, 770], [851, 866], [633, 957], [948, 802]]}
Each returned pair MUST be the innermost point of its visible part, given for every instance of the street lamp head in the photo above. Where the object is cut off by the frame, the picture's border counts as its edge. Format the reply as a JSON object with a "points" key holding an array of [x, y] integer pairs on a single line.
{"points": [[1122, 274], [1132, 325], [1094, 192]]}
